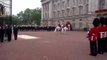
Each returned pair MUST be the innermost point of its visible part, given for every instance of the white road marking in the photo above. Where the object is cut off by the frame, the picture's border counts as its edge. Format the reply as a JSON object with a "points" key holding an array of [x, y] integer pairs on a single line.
{"points": [[27, 37]]}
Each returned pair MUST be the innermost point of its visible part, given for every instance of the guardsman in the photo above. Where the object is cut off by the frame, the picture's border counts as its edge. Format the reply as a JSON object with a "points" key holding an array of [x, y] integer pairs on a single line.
{"points": [[93, 36], [68, 26], [102, 31], [106, 36]]}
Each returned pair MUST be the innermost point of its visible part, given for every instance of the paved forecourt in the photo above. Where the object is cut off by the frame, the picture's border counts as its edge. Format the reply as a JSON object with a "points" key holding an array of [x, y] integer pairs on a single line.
{"points": [[48, 46]]}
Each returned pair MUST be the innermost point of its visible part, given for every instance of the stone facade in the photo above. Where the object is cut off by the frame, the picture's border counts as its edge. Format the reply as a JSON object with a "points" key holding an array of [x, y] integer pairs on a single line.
{"points": [[79, 13]]}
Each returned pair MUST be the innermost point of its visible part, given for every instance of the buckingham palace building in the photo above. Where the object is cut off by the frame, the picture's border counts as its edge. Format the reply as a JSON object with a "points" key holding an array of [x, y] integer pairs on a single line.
{"points": [[80, 13]]}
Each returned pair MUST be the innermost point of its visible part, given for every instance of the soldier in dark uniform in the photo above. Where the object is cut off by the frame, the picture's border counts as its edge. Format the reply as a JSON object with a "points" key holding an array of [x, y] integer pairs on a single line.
{"points": [[15, 32], [93, 36], [9, 33], [1, 34]]}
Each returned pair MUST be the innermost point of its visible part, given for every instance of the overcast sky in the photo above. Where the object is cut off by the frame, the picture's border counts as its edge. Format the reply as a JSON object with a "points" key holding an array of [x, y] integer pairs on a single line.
{"points": [[21, 5]]}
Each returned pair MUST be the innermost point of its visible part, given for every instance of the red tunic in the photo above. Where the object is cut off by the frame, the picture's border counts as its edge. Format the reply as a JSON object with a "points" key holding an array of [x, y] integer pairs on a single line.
{"points": [[102, 31], [106, 30], [68, 26], [93, 34]]}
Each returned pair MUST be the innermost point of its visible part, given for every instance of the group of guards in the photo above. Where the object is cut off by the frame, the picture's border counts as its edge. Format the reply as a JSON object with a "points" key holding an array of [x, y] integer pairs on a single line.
{"points": [[63, 27], [35, 28], [97, 36], [42, 28], [6, 33]]}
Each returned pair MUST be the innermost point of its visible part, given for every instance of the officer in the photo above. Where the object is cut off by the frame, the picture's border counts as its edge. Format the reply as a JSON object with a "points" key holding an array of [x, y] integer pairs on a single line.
{"points": [[93, 36], [15, 32]]}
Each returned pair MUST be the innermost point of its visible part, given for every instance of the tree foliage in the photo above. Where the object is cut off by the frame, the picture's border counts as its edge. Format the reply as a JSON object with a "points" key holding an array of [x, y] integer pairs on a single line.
{"points": [[29, 16]]}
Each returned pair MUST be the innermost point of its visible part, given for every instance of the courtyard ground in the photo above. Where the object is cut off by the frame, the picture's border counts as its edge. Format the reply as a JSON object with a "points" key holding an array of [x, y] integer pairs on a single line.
{"points": [[49, 46]]}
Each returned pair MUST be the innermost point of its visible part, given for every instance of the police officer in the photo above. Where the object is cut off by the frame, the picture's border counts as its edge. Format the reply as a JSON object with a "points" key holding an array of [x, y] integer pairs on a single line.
{"points": [[93, 36], [15, 32]]}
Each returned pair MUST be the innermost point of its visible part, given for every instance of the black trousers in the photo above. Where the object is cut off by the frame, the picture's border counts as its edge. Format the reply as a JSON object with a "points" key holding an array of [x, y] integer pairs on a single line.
{"points": [[101, 46], [105, 43], [9, 37], [93, 48], [1, 38], [15, 36]]}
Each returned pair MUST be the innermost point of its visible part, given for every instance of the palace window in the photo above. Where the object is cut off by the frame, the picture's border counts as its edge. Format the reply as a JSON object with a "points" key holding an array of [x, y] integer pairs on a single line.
{"points": [[80, 9], [67, 2], [87, 9], [74, 10]]}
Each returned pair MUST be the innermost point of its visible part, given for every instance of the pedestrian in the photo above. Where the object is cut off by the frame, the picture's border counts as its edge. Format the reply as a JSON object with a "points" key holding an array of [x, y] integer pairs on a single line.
{"points": [[93, 36]]}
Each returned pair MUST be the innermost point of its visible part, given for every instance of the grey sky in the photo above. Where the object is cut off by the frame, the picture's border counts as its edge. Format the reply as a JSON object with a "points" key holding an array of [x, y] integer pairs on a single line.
{"points": [[21, 5]]}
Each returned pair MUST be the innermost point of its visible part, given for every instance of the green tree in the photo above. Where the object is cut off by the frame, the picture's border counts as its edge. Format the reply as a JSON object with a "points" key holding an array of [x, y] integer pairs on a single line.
{"points": [[15, 20], [36, 16], [30, 16]]}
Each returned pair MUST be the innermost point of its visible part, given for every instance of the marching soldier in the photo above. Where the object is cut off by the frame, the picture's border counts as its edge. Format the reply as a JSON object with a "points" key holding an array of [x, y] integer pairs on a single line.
{"points": [[93, 36]]}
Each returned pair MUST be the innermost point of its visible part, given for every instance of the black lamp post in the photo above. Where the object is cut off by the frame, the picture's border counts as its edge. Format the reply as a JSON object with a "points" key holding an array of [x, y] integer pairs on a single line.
{"points": [[10, 12]]}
